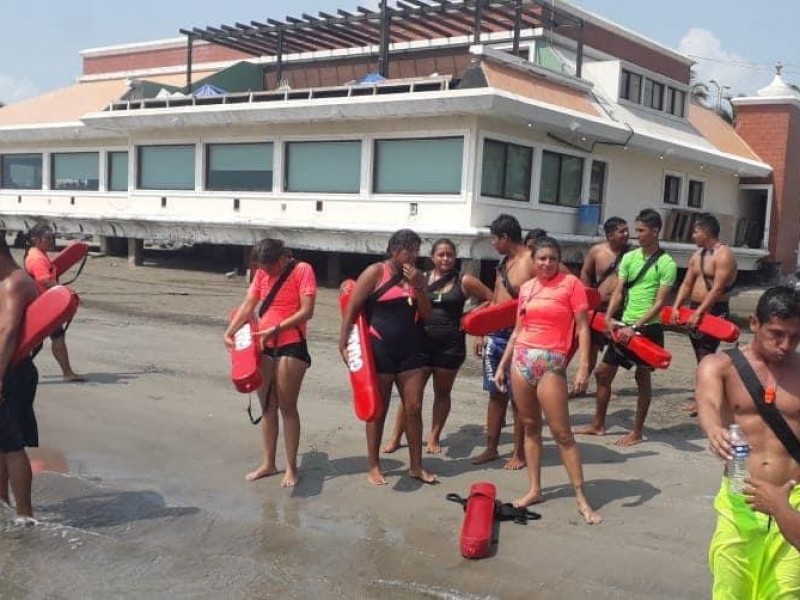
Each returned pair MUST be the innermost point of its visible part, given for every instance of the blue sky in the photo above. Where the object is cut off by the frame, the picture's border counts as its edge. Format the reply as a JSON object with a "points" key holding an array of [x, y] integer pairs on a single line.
{"points": [[40, 39]]}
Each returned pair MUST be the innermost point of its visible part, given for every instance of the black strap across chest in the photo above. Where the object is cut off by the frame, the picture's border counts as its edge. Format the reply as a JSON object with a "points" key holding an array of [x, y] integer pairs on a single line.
{"points": [[441, 282], [645, 268], [768, 412], [708, 280], [273, 292], [609, 270]]}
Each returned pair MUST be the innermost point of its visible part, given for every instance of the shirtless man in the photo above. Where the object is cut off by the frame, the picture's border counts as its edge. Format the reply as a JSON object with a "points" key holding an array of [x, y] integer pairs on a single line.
{"points": [[514, 269], [775, 501], [710, 276], [17, 386], [600, 271], [749, 556]]}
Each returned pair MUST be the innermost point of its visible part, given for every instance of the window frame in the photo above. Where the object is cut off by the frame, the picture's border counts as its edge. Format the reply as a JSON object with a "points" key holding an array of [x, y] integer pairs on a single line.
{"points": [[206, 163], [284, 163], [138, 167], [531, 162], [680, 178], [603, 188], [52, 174], [108, 179], [42, 172], [583, 158], [372, 175], [703, 185]]}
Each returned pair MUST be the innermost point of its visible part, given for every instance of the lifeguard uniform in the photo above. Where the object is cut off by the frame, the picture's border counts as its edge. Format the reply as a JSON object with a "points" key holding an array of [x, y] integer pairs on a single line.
{"points": [[396, 334], [300, 282], [38, 266], [446, 343], [749, 557], [547, 313]]}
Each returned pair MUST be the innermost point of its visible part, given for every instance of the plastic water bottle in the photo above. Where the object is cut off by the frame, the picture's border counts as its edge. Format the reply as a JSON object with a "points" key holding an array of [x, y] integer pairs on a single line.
{"points": [[736, 468]]}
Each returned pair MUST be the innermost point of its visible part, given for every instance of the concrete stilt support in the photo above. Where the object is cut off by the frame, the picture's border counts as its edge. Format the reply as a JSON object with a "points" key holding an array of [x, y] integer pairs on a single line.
{"points": [[333, 275], [135, 252], [106, 245]]}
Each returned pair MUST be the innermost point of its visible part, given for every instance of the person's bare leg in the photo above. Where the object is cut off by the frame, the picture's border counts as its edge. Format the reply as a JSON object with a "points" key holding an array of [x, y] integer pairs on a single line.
{"points": [[604, 376], [397, 433], [691, 406], [443, 380], [644, 384], [411, 385], [517, 459], [552, 393], [529, 417], [20, 476], [4, 497], [290, 373], [495, 413], [269, 422], [375, 432], [61, 354]]}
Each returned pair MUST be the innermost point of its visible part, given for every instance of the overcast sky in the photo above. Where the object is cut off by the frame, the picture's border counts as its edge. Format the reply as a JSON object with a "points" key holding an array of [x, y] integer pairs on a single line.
{"points": [[734, 42]]}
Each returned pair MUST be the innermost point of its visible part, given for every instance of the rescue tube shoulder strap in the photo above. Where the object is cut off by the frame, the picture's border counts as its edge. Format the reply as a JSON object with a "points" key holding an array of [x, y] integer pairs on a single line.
{"points": [[270, 297]]}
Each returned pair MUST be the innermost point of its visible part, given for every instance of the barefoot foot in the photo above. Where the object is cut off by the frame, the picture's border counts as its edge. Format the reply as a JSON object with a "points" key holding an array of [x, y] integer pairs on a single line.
{"points": [[74, 378], [533, 497], [423, 476], [485, 456], [390, 447], [589, 430], [589, 515], [515, 463], [262, 471], [375, 476], [290, 479], [629, 439], [433, 447]]}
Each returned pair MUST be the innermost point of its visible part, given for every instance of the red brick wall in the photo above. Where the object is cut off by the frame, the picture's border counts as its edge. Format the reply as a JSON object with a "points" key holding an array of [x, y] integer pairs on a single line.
{"points": [[153, 59], [773, 131]]}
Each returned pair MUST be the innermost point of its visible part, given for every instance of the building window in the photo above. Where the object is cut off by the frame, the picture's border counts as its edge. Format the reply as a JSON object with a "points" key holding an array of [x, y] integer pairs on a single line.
{"points": [[117, 171], [672, 189], [506, 171], [655, 98], [631, 86], [165, 167], [21, 171], [562, 179], [676, 100], [75, 171], [323, 167], [420, 166], [696, 192], [239, 167], [597, 182]]}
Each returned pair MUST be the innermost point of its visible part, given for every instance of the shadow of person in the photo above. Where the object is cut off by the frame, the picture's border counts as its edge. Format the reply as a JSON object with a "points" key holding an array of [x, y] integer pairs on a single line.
{"points": [[90, 378], [463, 442], [603, 491], [316, 467], [108, 509]]}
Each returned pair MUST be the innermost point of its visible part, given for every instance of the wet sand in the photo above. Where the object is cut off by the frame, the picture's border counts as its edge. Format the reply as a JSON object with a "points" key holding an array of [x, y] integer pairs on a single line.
{"points": [[143, 493]]}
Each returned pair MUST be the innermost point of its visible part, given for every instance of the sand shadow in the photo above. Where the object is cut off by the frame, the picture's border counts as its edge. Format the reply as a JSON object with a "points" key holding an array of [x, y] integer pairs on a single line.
{"points": [[109, 509], [604, 491], [102, 378], [317, 467]]}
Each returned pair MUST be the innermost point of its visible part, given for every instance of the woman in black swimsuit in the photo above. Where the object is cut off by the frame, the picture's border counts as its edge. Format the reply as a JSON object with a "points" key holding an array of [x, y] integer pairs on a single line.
{"points": [[448, 291], [391, 292]]}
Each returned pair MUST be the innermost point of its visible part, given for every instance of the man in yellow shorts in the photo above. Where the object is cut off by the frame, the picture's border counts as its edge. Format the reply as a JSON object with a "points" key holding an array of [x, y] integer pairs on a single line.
{"points": [[750, 558]]}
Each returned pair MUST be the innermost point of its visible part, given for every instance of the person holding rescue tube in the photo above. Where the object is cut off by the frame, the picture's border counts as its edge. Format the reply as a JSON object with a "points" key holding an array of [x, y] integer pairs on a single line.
{"points": [[552, 306], [18, 428], [285, 357], [645, 277], [448, 291], [40, 239], [392, 292]]}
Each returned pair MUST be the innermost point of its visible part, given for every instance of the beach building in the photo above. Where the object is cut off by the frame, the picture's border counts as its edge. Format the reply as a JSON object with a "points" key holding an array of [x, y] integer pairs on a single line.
{"points": [[332, 131]]}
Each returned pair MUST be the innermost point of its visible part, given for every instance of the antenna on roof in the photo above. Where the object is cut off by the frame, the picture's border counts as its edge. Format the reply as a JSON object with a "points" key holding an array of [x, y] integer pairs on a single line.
{"points": [[778, 68]]}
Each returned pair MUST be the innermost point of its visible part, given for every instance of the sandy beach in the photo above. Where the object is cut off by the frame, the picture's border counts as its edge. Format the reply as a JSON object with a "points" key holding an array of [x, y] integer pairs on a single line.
{"points": [[143, 492]]}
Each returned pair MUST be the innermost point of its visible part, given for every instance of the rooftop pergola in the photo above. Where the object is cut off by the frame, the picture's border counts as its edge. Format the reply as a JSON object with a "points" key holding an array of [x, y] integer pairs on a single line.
{"points": [[405, 21]]}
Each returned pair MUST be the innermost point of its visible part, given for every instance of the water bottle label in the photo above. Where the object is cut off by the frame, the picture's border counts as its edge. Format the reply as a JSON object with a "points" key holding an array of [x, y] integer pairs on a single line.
{"points": [[741, 451]]}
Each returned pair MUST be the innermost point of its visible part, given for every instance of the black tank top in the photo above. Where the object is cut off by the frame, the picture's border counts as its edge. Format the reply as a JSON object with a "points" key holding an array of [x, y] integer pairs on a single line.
{"points": [[448, 307]]}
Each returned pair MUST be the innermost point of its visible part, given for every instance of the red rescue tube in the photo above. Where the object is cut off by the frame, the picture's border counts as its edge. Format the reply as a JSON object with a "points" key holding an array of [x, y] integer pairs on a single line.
{"points": [[710, 325], [51, 309], [479, 515], [494, 317], [644, 349], [69, 256], [246, 358], [360, 362]]}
